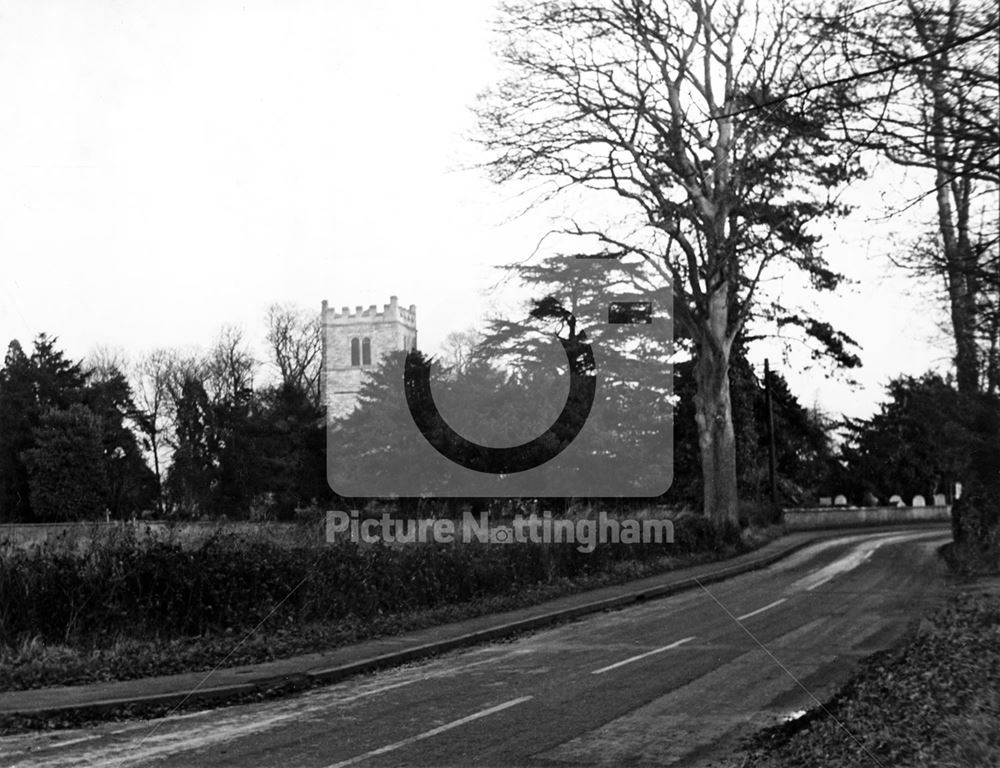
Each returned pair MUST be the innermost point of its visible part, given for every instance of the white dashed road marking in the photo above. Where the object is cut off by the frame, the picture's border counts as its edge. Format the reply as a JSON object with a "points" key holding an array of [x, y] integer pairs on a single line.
{"points": [[608, 668], [432, 732], [767, 607]]}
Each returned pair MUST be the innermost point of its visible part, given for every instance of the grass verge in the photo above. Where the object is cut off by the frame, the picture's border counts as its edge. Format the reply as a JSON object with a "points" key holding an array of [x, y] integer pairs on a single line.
{"points": [[932, 702]]}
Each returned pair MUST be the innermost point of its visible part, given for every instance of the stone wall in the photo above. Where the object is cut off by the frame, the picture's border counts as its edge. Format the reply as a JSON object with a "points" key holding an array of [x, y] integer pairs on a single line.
{"points": [[813, 518]]}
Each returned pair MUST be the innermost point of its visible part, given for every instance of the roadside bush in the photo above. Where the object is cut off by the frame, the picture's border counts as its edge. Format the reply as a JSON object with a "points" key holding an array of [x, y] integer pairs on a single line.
{"points": [[698, 534], [975, 522], [140, 587], [976, 515]]}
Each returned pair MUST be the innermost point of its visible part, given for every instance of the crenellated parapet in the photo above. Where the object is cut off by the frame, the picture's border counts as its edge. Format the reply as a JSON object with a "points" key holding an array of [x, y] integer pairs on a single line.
{"points": [[354, 342], [390, 313]]}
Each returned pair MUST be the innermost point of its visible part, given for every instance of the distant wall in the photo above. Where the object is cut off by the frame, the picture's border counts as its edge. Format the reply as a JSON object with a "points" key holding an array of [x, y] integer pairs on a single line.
{"points": [[81, 535], [811, 518]]}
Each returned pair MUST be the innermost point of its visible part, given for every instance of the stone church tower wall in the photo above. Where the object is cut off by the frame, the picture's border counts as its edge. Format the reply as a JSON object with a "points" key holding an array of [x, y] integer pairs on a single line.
{"points": [[353, 344]]}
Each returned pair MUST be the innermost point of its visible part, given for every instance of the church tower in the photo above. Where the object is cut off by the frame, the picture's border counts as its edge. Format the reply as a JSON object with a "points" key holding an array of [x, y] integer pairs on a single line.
{"points": [[353, 344]]}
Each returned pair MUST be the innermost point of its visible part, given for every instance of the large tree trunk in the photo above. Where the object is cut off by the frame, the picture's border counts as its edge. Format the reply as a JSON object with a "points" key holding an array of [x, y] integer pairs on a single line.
{"points": [[155, 445], [963, 324], [993, 354], [714, 413], [953, 221], [958, 272]]}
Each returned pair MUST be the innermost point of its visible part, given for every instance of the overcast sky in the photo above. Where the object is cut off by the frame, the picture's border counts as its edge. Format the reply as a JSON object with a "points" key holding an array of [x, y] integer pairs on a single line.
{"points": [[167, 168]]}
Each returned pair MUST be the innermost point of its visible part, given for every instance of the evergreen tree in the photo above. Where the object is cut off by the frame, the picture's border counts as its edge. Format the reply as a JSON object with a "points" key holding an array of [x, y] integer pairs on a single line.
{"points": [[66, 467], [49, 403], [58, 382], [194, 471], [239, 478], [918, 442], [574, 296], [293, 448], [17, 408], [375, 442], [131, 484]]}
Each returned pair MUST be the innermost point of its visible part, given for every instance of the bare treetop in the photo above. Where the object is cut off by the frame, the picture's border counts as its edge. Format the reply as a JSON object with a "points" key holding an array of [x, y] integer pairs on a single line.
{"points": [[646, 101]]}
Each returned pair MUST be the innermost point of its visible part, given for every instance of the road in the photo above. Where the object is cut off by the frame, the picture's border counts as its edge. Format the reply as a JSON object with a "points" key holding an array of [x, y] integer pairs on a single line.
{"points": [[673, 682]]}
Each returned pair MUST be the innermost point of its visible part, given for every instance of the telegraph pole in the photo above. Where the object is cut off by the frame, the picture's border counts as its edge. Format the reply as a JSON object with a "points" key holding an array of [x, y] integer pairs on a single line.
{"points": [[772, 453]]}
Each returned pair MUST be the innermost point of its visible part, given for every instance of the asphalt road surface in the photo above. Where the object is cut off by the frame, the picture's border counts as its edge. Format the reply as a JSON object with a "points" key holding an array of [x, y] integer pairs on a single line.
{"points": [[679, 681]]}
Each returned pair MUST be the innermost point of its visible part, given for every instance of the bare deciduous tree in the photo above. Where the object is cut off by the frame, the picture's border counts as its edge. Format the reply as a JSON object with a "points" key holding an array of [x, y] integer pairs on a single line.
{"points": [[647, 100], [150, 380], [459, 347], [229, 366], [103, 362], [938, 112], [294, 337]]}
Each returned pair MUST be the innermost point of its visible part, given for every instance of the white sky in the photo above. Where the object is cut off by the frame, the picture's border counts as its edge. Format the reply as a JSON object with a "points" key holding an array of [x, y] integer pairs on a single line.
{"points": [[167, 168]]}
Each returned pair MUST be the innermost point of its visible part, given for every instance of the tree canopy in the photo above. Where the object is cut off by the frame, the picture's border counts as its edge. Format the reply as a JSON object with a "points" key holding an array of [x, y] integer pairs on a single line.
{"points": [[647, 101]]}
